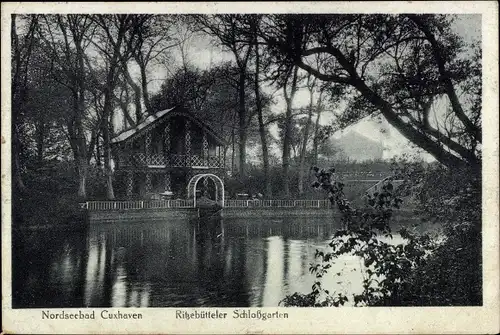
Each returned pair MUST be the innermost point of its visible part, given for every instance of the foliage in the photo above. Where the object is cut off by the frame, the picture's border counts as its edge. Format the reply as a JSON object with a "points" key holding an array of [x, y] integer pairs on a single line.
{"points": [[68, 73], [420, 271], [254, 182], [452, 199], [51, 196], [210, 94], [355, 189], [394, 65]]}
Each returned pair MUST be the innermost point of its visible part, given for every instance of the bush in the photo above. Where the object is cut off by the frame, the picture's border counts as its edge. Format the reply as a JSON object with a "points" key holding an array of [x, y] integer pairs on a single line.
{"points": [[51, 194], [422, 271], [453, 273]]}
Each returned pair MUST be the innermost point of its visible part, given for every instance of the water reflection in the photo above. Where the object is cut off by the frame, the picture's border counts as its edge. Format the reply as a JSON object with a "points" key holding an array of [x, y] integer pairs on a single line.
{"points": [[48, 270], [230, 262]]}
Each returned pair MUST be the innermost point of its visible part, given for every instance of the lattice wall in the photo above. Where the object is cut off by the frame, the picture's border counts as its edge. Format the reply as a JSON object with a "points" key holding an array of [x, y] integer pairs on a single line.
{"points": [[168, 182], [166, 142], [188, 138], [205, 148], [148, 185], [130, 183]]}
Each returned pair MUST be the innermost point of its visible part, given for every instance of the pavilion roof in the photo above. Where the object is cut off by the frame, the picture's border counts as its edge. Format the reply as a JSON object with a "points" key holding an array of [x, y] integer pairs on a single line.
{"points": [[157, 117]]}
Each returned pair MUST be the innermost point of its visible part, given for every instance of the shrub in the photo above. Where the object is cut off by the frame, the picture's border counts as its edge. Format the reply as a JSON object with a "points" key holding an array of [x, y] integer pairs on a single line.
{"points": [[51, 194], [421, 271]]}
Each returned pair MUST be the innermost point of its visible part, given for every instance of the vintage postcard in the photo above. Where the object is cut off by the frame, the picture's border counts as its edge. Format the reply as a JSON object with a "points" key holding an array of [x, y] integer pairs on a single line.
{"points": [[250, 167]]}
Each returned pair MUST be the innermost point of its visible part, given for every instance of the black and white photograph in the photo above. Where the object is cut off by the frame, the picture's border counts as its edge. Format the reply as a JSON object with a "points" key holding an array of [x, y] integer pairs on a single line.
{"points": [[247, 161]]}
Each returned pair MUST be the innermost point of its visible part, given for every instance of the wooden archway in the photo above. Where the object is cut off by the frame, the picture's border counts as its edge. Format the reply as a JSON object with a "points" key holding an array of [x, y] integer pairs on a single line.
{"points": [[219, 187]]}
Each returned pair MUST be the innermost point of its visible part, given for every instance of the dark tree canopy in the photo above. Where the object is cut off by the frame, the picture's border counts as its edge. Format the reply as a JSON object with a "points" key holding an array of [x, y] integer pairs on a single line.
{"points": [[393, 65]]}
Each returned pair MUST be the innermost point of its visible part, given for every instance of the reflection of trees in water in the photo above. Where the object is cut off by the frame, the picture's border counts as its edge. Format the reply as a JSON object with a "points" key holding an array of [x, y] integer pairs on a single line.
{"points": [[294, 228], [109, 279], [170, 263], [97, 265], [221, 266], [48, 269], [205, 262], [135, 255]]}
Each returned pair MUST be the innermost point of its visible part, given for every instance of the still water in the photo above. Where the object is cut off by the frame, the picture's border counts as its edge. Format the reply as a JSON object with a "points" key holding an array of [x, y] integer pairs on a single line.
{"points": [[218, 263]]}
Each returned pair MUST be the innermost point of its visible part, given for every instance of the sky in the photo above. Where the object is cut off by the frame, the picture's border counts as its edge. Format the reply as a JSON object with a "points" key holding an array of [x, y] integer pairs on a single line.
{"points": [[202, 53]]}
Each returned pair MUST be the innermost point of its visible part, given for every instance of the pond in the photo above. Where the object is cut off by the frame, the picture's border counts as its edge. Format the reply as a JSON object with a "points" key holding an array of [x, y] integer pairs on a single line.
{"points": [[227, 262]]}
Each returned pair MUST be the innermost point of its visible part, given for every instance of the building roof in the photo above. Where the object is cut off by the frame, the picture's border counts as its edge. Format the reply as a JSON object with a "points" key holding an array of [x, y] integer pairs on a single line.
{"points": [[153, 118]]}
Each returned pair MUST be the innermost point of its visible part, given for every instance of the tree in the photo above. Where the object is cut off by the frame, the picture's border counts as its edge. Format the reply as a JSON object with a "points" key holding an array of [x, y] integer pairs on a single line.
{"points": [[259, 108], [422, 271], [305, 138], [225, 29], [207, 93], [295, 134], [187, 87], [21, 53], [289, 98], [46, 106], [117, 40], [395, 65], [317, 127], [152, 40], [65, 39]]}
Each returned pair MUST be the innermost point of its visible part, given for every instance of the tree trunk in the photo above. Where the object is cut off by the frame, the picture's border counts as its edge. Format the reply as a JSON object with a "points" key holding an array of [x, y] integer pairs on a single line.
{"points": [[262, 127], [80, 110], [106, 136], [20, 62], [415, 134], [242, 126], [286, 152], [304, 143], [98, 152], [144, 83], [316, 134], [137, 92], [286, 136], [18, 180], [82, 178], [16, 152], [233, 151], [110, 194]]}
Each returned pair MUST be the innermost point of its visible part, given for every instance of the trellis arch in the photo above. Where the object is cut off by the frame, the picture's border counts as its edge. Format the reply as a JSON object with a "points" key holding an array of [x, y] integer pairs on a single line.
{"points": [[193, 182]]}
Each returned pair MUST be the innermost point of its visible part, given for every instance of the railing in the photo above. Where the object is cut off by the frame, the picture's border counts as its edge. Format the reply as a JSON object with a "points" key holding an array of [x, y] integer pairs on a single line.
{"points": [[137, 204], [160, 204], [174, 160], [278, 203], [363, 175]]}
